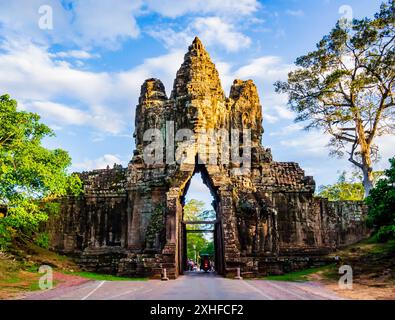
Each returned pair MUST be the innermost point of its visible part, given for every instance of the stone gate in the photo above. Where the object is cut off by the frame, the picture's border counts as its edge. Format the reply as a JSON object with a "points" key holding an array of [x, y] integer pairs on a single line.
{"points": [[129, 220]]}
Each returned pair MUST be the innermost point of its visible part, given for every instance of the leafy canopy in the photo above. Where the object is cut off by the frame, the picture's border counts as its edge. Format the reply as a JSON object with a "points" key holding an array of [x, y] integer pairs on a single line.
{"points": [[193, 211], [345, 189], [29, 173], [349, 187], [381, 202]]}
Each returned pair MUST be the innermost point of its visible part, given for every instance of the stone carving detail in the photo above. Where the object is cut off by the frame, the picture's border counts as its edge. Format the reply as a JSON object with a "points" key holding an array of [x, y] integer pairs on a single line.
{"points": [[129, 219]]}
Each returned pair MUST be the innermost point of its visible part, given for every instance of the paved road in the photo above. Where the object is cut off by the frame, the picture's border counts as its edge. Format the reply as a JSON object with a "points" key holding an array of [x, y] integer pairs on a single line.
{"points": [[194, 286]]}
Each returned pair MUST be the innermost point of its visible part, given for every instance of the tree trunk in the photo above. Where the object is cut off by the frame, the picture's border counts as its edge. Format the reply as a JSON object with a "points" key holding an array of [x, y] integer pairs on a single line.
{"points": [[367, 173], [366, 165]]}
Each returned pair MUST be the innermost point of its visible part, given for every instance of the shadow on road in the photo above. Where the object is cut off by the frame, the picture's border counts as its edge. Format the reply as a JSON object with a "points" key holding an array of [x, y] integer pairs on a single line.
{"points": [[201, 274]]}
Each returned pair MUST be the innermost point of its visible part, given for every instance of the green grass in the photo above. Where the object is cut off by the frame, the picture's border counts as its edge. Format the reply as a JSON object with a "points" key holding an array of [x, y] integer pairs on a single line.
{"points": [[12, 278], [102, 277], [300, 276]]}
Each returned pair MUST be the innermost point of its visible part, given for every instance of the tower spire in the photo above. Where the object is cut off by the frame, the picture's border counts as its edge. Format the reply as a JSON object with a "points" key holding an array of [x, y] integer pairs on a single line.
{"points": [[198, 75]]}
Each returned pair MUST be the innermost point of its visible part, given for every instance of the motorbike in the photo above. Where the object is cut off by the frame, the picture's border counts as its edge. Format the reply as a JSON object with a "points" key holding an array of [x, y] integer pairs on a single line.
{"points": [[205, 263]]}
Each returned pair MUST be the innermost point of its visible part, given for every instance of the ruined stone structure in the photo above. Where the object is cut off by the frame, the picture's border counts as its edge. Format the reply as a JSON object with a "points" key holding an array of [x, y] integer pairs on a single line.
{"points": [[130, 221]]}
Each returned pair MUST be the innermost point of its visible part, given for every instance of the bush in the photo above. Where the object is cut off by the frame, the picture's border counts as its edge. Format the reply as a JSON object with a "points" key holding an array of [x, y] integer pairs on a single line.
{"points": [[6, 233], [381, 202], [42, 240]]}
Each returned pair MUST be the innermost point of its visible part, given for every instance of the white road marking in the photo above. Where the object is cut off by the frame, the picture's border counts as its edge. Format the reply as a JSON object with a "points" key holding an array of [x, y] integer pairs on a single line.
{"points": [[287, 291], [256, 289], [122, 294], [90, 293]]}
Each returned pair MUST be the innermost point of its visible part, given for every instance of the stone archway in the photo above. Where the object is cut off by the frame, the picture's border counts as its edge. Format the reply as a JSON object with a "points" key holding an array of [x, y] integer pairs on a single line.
{"points": [[129, 220], [175, 228], [218, 236]]}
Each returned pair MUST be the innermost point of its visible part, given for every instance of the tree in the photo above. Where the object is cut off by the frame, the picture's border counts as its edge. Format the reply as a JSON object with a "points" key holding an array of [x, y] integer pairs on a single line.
{"points": [[30, 174], [346, 88], [344, 189], [193, 211], [381, 202]]}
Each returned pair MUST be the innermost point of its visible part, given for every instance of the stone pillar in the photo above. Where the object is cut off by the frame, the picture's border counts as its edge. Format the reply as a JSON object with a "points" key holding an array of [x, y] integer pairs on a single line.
{"points": [[274, 232], [134, 239], [228, 220], [173, 204], [171, 249]]}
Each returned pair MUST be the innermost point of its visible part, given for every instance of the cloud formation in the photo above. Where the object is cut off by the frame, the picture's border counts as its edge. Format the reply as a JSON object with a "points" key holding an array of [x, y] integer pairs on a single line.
{"points": [[98, 163], [213, 31], [74, 21], [176, 8]]}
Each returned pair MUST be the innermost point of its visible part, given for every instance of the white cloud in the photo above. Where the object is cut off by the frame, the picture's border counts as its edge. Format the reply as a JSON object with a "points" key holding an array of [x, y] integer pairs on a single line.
{"points": [[101, 22], [268, 68], [284, 131], [29, 71], [213, 31], [74, 54], [99, 163], [101, 100], [176, 8], [60, 114], [163, 67], [81, 22], [313, 143], [264, 71], [295, 13], [387, 150], [88, 23]]}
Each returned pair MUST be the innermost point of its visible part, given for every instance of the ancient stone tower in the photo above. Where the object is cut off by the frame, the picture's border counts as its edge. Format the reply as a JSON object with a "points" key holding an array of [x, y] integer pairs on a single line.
{"points": [[130, 221]]}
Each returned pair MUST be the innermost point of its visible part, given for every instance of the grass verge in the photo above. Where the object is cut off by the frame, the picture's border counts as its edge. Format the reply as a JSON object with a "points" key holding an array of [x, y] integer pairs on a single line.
{"points": [[103, 277], [302, 275]]}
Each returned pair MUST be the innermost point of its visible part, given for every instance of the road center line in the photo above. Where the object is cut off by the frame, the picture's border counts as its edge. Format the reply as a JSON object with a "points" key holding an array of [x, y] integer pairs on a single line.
{"points": [[122, 294], [90, 293], [287, 290], [256, 290]]}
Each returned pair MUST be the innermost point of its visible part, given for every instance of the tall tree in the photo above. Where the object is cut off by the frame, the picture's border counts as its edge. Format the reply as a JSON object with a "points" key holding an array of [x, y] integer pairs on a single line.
{"points": [[346, 87], [29, 173]]}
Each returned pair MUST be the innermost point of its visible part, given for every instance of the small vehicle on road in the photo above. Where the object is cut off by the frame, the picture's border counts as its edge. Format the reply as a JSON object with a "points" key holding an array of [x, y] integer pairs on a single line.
{"points": [[205, 264]]}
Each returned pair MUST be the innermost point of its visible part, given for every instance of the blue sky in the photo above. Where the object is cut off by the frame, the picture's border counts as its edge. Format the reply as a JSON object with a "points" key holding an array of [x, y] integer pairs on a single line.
{"points": [[83, 76]]}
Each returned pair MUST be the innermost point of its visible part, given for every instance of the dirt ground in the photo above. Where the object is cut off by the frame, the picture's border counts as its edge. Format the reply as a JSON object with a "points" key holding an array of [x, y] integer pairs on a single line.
{"points": [[19, 270], [373, 268]]}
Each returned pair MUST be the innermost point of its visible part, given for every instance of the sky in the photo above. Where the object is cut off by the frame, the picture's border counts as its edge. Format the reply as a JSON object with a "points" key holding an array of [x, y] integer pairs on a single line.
{"points": [[80, 64]]}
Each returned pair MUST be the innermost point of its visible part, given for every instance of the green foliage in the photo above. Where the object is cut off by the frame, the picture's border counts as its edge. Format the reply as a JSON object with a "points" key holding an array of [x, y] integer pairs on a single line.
{"points": [[193, 211], [42, 240], [29, 173], [345, 87], [302, 275], [381, 202], [156, 225], [195, 241], [349, 190]]}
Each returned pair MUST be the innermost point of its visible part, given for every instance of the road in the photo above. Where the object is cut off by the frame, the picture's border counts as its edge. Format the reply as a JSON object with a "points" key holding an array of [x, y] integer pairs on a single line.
{"points": [[194, 286]]}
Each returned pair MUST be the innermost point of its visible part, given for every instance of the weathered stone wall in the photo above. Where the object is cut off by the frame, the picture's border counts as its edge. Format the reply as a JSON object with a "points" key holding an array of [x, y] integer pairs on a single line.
{"points": [[343, 222], [95, 220]]}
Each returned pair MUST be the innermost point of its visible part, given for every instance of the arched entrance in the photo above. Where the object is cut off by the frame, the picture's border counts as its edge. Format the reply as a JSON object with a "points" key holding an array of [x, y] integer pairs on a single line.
{"points": [[208, 226]]}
